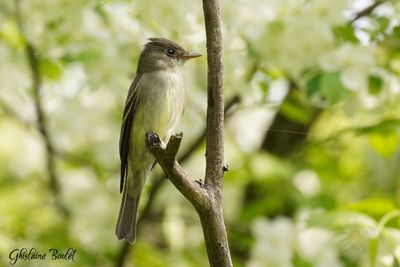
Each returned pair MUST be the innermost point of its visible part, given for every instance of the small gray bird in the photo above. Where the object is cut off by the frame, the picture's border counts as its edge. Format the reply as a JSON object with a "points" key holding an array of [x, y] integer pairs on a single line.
{"points": [[155, 103]]}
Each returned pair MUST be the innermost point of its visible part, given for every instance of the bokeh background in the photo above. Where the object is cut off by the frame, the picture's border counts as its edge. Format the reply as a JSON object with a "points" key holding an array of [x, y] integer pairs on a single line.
{"points": [[312, 131]]}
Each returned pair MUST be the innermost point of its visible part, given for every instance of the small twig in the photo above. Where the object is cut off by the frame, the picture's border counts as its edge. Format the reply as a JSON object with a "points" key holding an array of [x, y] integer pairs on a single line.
{"points": [[368, 10], [173, 148], [33, 61]]}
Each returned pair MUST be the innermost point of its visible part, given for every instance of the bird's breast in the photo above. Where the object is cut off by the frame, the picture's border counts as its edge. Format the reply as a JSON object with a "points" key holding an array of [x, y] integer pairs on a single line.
{"points": [[161, 100]]}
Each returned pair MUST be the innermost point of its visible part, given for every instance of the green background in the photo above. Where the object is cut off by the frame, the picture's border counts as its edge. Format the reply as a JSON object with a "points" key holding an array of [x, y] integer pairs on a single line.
{"points": [[312, 142]]}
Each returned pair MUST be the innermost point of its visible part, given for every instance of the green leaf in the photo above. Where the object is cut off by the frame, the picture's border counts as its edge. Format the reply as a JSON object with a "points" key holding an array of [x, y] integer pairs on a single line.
{"points": [[295, 112], [373, 246], [300, 262], [375, 207], [392, 41], [276, 26], [345, 33], [274, 73], [10, 34], [295, 108], [340, 219], [328, 85], [149, 256], [332, 88], [385, 143], [264, 85], [379, 26], [396, 31], [374, 84], [313, 85], [50, 68], [88, 55], [382, 126], [381, 23]]}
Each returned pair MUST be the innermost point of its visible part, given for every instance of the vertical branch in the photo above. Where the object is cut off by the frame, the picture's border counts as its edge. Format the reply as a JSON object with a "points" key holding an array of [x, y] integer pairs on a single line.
{"points": [[212, 219], [215, 105], [33, 62]]}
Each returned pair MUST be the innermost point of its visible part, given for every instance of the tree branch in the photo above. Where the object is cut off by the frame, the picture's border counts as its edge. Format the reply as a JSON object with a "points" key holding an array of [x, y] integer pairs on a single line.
{"points": [[32, 57], [165, 156], [212, 220], [204, 200], [215, 108], [368, 10], [159, 181]]}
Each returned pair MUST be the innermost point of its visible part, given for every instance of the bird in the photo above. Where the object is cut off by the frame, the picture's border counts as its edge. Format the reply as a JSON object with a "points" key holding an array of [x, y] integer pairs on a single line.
{"points": [[155, 102]]}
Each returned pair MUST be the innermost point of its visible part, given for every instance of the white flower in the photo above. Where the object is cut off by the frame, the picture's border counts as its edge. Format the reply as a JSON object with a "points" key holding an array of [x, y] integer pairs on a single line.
{"points": [[274, 242], [122, 20], [307, 182], [317, 245], [278, 90], [355, 63], [347, 56], [247, 125], [289, 39], [354, 79], [330, 11]]}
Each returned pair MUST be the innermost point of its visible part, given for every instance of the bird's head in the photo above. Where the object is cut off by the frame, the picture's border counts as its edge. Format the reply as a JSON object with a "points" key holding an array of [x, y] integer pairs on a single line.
{"points": [[162, 54]]}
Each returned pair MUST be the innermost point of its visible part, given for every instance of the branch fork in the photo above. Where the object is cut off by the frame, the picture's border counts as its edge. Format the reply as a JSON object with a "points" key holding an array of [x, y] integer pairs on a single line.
{"points": [[165, 155]]}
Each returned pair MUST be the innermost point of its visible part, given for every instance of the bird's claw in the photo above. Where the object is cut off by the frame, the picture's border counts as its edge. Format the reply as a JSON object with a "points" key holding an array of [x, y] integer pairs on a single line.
{"points": [[152, 139], [225, 168], [200, 182]]}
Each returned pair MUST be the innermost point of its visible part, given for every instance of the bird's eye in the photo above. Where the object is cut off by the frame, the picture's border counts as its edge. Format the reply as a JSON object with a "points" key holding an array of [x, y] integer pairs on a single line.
{"points": [[170, 52]]}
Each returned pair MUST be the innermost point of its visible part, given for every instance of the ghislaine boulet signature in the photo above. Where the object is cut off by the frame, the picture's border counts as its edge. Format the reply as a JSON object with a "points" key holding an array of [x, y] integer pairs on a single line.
{"points": [[33, 254]]}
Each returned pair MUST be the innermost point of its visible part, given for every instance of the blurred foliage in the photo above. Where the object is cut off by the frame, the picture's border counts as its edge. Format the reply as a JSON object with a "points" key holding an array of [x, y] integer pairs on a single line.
{"points": [[313, 145]]}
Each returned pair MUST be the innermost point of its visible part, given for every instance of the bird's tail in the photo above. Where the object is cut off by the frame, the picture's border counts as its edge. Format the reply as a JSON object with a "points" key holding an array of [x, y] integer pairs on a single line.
{"points": [[127, 218]]}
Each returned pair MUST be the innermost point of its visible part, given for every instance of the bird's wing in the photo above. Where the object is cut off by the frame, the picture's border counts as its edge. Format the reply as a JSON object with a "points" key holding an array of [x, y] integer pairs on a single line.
{"points": [[124, 139]]}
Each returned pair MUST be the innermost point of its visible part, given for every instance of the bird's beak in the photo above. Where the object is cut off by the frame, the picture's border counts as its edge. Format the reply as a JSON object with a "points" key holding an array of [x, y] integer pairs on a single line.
{"points": [[189, 55]]}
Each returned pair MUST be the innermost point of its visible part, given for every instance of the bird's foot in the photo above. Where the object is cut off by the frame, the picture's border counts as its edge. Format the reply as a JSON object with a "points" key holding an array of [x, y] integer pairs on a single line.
{"points": [[152, 140], [200, 182], [225, 168]]}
